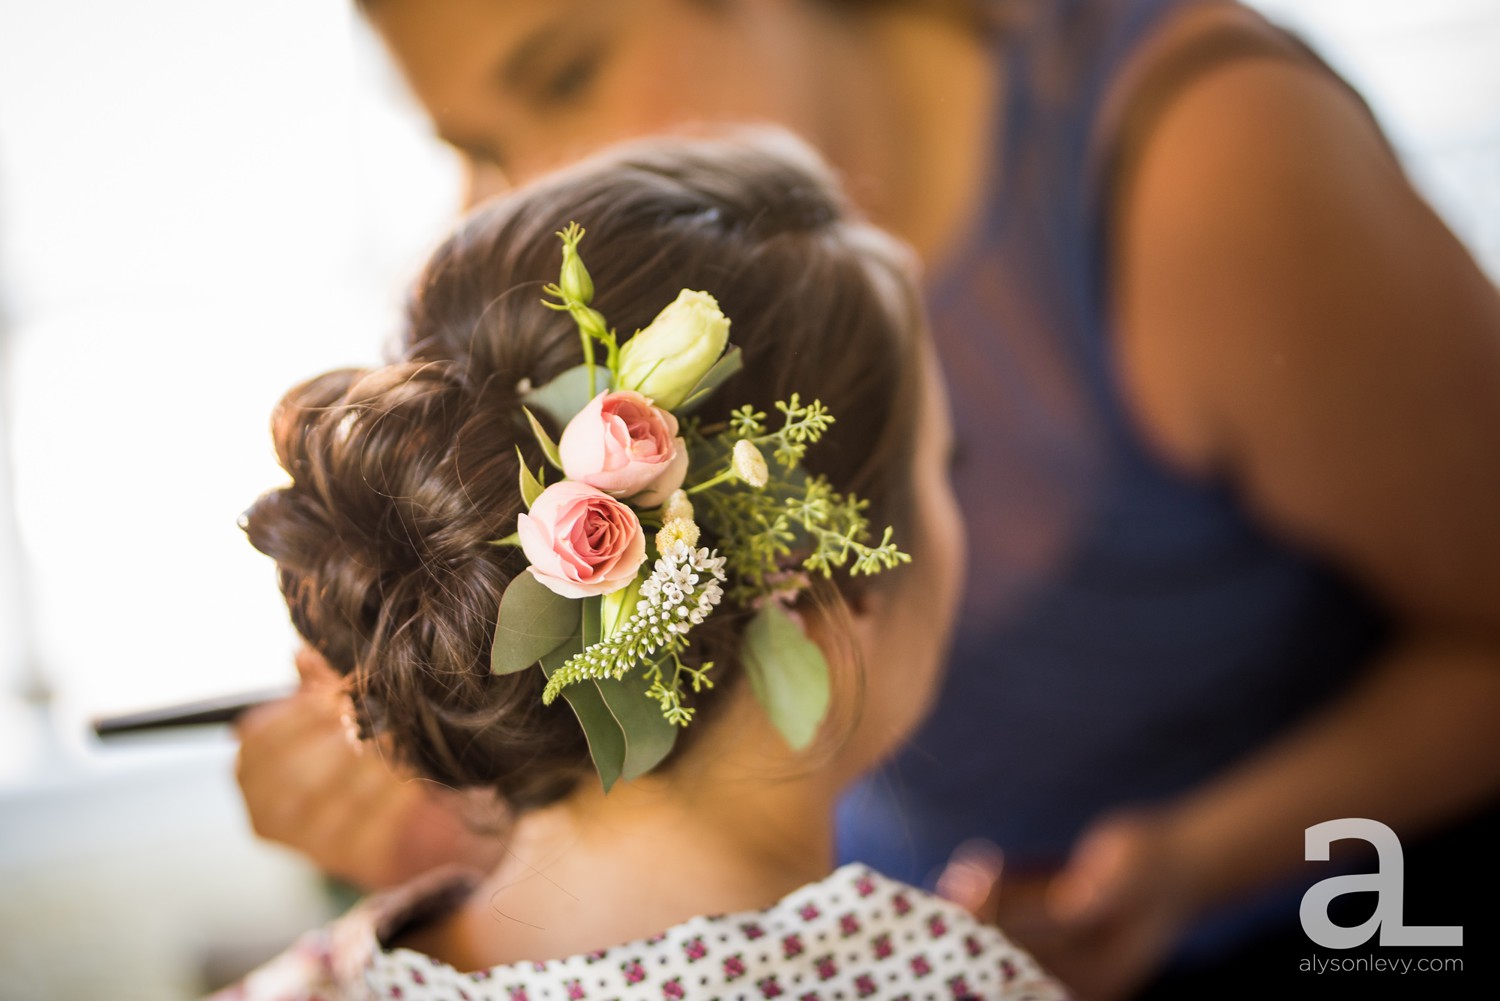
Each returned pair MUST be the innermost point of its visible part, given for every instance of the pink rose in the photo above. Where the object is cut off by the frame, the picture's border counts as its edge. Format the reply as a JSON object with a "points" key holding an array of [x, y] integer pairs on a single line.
{"points": [[580, 541], [625, 446]]}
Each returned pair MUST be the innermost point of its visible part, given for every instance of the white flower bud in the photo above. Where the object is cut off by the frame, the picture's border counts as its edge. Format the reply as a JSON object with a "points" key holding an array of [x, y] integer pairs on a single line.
{"points": [[677, 507], [748, 464], [666, 360]]}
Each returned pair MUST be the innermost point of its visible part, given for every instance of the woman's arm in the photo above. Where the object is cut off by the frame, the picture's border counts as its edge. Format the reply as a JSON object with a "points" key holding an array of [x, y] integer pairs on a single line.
{"points": [[1294, 316]]}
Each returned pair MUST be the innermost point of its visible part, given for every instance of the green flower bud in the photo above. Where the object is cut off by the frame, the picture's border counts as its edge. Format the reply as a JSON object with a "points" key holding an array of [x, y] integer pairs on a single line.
{"points": [[575, 282], [590, 321], [617, 606], [666, 360]]}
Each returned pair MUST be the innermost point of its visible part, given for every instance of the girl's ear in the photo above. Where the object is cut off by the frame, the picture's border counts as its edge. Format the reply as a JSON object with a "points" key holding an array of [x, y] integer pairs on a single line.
{"points": [[870, 598], [854, 611], [847, 631]]}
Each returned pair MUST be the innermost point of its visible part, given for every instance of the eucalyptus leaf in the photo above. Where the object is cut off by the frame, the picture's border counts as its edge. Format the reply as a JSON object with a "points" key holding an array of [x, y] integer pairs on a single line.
{"points": [[788, 673], [606, 740], [531, 486], [549, 447], [626, 732], [731, 362], [648, 735], [533, 622], [567, 394]]}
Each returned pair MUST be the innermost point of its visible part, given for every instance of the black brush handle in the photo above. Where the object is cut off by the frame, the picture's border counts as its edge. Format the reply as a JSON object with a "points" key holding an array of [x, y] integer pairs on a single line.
{"points": [[220, 709]]}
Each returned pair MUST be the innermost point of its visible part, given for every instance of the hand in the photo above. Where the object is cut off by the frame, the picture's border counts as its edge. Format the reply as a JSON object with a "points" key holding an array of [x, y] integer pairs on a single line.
{"points": [[1103, 923], [341, 802]]}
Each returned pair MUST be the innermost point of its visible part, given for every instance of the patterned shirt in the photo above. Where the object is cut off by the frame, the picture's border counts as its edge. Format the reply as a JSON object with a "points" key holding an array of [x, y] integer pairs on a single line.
{"points": [[853, 935]]}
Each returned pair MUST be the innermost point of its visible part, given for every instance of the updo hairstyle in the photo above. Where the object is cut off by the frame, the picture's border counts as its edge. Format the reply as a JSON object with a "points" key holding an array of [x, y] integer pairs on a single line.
{"points": [[402, 475]]}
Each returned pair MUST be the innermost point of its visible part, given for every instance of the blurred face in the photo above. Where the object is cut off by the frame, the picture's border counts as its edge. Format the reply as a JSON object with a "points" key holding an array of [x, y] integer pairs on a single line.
{"points": [[519, 86]]}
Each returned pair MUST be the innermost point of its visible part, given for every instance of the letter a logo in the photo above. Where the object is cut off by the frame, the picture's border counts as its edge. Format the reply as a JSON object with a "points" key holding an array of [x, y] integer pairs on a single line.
{"points": [[1388, 882]]}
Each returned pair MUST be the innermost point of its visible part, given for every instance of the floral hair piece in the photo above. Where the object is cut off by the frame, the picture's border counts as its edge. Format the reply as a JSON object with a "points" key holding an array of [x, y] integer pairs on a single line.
{"points": [[607, 604]]}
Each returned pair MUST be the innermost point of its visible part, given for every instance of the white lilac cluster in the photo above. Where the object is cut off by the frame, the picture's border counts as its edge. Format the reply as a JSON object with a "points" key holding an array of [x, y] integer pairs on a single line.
{"points": [[675, 580], [684, 586]]}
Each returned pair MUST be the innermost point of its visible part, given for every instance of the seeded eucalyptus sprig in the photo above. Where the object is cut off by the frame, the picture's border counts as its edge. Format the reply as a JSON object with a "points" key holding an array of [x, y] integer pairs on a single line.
{"points": [[801, 426], [792, 511]]}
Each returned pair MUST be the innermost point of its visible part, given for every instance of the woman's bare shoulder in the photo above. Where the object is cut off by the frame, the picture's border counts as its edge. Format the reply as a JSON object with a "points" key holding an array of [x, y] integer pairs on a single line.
{"points": [[1292, 314]]}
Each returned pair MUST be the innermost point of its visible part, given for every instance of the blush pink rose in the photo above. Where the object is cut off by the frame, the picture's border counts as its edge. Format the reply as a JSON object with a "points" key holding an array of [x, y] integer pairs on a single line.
{"points": [[581, 541], [625, 446]]}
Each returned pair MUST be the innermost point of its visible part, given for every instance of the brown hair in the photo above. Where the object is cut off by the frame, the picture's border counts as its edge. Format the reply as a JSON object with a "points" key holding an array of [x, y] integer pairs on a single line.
{"points": [[402, 475]]}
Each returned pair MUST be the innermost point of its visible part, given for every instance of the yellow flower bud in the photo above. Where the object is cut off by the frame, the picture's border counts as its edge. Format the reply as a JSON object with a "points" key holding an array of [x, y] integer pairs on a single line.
{"points": [[748, 464], [677, 530], [666, 360]]}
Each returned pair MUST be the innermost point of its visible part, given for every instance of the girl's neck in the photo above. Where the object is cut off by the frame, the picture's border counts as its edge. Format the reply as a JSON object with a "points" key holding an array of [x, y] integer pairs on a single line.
{"points": [[719, 834]]}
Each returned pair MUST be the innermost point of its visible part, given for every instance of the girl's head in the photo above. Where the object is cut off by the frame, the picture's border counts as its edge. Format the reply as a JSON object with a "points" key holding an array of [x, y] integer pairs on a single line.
{"points": [[404, 475]]}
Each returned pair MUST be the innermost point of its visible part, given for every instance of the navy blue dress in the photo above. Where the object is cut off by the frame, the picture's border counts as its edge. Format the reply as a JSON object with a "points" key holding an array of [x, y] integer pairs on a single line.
{"points": [[1127, 632]]}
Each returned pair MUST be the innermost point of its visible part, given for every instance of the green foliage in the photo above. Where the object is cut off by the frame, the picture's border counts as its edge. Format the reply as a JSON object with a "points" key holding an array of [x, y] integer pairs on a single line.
{"points": [[569, 392], [747, 422], [667, 691], [794, 513], [627, 736], [801, 427], [715, 377], [531, 483], [574, 290], [549, 447], [605, 737], [788, 673], [533, 621]]}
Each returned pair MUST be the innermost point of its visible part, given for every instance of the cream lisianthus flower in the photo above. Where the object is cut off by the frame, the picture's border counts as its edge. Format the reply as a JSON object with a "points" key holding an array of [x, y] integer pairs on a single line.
{"points": [[666, 360]]}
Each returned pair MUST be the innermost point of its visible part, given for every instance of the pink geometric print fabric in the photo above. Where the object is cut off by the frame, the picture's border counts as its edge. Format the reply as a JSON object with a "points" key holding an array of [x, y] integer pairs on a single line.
{"points": [[854, 936]]}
